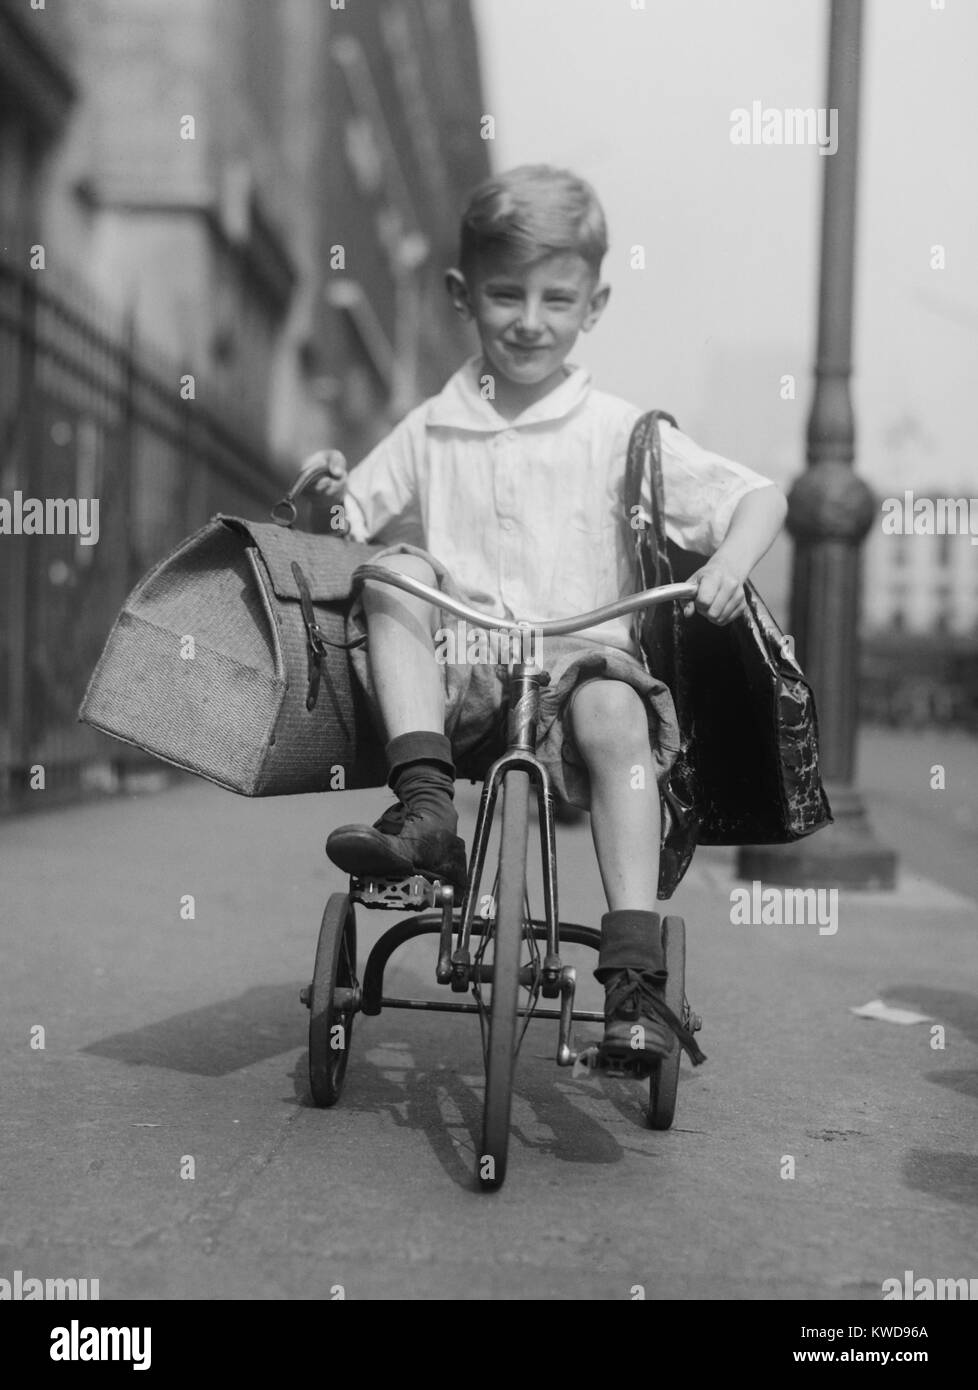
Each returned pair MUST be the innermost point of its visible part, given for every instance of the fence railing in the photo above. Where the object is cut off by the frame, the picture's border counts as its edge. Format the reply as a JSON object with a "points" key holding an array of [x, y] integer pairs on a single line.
{"points": [[87, 413]]}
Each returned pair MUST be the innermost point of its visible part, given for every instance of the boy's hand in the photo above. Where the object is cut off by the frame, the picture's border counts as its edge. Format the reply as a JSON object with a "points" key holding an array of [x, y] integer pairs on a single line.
{"points": [[757, 519], [332, 484], [720, 595]]}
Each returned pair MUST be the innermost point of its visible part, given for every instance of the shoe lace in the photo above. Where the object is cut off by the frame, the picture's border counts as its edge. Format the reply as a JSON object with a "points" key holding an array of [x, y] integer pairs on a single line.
{"points": [[625, 992], [392, 820], [639, 991], [396, 818]]}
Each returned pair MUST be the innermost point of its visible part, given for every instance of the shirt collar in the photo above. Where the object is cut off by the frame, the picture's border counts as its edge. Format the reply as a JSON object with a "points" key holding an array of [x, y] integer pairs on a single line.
{"points": [[461, 405]]}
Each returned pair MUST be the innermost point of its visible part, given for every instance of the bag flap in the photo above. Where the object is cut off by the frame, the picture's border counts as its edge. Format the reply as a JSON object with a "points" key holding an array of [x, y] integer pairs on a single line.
{"points": [[327, 561]]}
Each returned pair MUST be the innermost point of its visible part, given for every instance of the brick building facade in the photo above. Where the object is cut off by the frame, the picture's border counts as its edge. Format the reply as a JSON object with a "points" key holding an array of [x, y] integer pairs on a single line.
{"points": [[272, 189]]}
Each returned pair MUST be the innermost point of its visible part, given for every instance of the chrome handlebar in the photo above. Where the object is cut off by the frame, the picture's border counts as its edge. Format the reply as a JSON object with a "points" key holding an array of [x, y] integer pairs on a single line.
{"points": [[555, 627]]}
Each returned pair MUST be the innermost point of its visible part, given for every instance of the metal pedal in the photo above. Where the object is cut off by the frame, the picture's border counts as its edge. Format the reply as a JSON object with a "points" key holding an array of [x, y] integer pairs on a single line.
{"points": [[400, 894], [592, 1059]]}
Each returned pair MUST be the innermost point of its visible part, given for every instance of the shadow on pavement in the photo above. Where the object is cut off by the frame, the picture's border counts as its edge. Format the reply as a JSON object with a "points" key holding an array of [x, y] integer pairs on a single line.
{"points": [[218, 1038], [443, 1106], [964, 1082], [444, 1102], [953, 1008], [953, 1176]]}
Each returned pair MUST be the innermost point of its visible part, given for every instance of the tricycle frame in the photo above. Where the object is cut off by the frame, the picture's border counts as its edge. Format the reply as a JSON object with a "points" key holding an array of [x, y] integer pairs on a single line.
{"points": [[509, 922], [455, 966]]}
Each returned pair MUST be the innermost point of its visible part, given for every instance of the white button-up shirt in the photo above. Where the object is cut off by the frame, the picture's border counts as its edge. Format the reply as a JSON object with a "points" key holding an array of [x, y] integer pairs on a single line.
{"points": [[528, 515]]}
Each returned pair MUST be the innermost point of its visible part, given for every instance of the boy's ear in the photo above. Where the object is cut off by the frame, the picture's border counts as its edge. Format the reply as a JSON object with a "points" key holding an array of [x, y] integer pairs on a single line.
{"points": [[458, 292], [596, 306]]}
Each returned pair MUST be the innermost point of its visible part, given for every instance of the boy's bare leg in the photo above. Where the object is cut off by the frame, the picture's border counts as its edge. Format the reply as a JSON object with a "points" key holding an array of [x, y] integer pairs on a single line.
{"points": [[610, 726], [418, 836], [611, 730], [406, 677]]}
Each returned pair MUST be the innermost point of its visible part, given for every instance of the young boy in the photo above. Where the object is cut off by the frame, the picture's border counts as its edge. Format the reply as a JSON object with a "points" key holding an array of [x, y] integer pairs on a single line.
{"points": [[507, 490]]}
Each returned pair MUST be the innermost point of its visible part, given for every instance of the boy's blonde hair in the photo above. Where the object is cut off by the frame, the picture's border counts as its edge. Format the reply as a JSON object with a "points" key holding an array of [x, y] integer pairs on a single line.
{"points": [[533, 211]]}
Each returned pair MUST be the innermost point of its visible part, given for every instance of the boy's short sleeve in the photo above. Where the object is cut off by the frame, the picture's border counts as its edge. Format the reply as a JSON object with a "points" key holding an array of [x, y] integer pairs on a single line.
{"points": [[701, 491], [381, 499]]}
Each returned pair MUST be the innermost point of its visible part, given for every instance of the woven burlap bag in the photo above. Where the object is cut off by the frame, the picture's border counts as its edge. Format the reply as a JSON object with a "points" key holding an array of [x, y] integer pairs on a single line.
{"points": [[231, 704]]}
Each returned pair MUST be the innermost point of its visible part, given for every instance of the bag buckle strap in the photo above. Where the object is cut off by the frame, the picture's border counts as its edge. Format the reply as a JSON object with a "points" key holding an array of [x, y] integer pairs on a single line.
{"points": [[316, 640]]}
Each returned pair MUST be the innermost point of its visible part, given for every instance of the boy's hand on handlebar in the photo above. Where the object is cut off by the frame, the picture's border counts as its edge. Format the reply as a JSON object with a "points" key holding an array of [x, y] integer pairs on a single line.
{"points": [[720, 595], [333, 485]]}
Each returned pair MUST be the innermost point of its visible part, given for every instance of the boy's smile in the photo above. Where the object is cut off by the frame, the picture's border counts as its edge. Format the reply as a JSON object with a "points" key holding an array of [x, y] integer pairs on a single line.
{"points": [[528, 318]]}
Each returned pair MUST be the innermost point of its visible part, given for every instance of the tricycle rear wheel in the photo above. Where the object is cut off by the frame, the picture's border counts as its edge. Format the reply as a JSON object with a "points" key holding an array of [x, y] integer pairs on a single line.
{"points": [[331, 1018], [664, 1079]]}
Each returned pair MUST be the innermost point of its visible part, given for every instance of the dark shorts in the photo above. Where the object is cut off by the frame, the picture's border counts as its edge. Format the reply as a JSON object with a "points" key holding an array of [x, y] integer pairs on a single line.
{"points": [[475, 707]]}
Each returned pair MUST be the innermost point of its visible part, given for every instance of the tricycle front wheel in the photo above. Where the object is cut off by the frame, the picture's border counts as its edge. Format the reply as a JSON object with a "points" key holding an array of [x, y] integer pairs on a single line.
{"points": [[507, 946]]}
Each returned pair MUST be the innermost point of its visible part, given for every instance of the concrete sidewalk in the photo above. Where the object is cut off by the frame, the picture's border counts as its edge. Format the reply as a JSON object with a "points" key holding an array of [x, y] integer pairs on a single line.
{"points": [[174, 1046]]}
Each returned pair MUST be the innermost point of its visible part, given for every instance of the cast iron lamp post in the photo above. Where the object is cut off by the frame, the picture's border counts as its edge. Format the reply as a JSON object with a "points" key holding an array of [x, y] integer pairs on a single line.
{"points": [[830, 511]]}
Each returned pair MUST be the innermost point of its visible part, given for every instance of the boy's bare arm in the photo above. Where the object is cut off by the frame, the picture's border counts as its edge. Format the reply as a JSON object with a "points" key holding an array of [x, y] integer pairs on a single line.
{"points": [[757, 520]]}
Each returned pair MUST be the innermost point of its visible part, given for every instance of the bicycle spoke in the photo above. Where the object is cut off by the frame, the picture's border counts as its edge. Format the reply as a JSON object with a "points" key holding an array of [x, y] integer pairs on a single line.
{"points": [[483, 997], [485, 939], [528, 932], [483, 1023], [478, 960], [532, 991]]}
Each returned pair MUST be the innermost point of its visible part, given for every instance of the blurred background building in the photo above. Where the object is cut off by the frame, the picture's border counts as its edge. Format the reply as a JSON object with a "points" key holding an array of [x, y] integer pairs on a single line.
{"points": [[221, 226]]}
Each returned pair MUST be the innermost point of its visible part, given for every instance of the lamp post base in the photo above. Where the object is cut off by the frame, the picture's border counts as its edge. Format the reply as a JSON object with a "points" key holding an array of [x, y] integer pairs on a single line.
{"points": [[845, 854]]}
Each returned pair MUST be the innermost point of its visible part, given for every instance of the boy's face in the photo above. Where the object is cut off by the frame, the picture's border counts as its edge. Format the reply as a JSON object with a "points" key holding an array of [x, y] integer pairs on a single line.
{"points": [[528, 316]]}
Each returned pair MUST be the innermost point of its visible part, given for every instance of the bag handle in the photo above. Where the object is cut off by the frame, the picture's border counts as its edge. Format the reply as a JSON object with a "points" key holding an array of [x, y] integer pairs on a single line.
{"points": [[645, 456], [284, 511]]}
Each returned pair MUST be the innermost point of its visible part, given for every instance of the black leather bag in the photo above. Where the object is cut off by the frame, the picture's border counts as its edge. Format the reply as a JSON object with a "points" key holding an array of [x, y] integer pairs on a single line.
{"points": [[747, 772]]}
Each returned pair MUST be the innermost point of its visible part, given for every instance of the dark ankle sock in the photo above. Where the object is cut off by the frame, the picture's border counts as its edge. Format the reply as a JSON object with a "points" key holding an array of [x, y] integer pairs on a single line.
{"points": [[426, 788], [630, 940], [420, 744], [422, 774]]}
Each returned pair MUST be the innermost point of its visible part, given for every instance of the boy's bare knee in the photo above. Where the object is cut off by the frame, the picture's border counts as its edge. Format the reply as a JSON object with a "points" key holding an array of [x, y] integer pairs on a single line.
{"points": [[413, 565], [378, 596], [608, 717]]}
